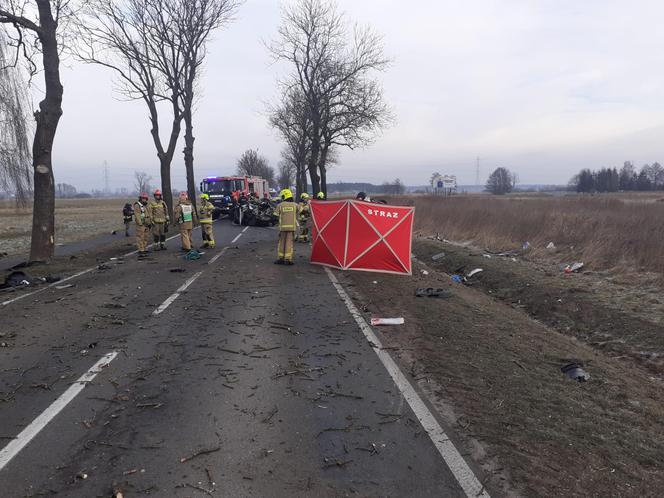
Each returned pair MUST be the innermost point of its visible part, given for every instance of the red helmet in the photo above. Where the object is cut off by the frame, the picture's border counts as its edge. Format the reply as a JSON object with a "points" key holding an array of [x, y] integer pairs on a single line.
{"points": [[143, 195], [157, 192]]}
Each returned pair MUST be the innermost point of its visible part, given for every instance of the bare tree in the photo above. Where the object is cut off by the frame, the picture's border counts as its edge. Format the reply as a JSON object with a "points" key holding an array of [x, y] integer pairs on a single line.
{"points": [[36, 24], [251, 163], [142, 181], [291, 119], [196, 20], [65, 191], [331, 69], [15, 154], [140, 41], [287, 174]]}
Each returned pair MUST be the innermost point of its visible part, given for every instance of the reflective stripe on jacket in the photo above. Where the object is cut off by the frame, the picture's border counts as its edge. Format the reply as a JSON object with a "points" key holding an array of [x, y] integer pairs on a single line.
{"points": [[205, 212], [158, 211]]}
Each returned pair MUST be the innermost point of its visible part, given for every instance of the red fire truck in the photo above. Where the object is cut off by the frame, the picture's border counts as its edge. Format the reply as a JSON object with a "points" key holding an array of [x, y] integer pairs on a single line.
{"points": [[221, 190]]}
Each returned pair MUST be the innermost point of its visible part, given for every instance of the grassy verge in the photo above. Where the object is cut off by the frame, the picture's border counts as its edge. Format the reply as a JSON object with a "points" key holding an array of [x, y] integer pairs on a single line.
{"points": [[606, 232]]}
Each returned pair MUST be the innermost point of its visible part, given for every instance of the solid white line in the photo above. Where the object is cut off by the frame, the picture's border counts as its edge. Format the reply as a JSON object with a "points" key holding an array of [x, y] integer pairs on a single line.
{"points": [[455, 462], [176, 294], [236, 238], [28, 434], [245, 229]]}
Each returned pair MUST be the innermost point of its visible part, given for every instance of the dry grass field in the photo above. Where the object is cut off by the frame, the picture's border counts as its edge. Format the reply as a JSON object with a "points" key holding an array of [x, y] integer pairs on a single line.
{"points": [[623, 233], [75, 219]]}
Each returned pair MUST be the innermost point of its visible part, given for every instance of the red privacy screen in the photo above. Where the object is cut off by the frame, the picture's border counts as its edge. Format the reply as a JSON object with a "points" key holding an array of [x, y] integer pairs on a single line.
{"points": [[355, 235]]}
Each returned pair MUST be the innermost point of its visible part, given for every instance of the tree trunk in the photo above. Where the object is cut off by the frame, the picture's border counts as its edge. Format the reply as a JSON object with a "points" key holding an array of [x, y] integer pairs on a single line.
{"points": [[322, 168], [313, 159], [189, 155], [50, 109], [165, 156]]}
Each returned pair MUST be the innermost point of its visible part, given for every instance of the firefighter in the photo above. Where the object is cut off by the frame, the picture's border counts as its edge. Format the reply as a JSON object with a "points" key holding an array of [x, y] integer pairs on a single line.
{"points": [[143, 224], [287, 212], [185, 216], [320, 196], [303, 217], [160, 220], [127, 216], [205, 211]]}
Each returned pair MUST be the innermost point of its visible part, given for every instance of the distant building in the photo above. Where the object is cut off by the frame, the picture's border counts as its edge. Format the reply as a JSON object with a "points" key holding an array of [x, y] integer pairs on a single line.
{"points": [[443, 184]]}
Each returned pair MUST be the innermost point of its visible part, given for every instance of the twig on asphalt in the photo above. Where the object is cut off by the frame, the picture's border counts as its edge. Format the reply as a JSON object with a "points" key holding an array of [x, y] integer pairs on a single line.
{"points": [[150, 405], [336, 463], [199, 453], [343, 395], [229, 350], [272, 413], [519, 365], [199, 488]]}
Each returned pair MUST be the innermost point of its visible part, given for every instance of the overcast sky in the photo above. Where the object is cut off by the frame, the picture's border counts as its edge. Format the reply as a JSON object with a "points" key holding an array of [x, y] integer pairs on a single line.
{"points": [[541, 87]]}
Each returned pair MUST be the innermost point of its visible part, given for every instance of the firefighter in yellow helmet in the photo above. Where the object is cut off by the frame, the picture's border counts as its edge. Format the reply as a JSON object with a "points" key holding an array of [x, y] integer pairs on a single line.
{"points": [[205, 211], [320, 196], [303, 217], [185, 216], [287, 211], [160, 220]]}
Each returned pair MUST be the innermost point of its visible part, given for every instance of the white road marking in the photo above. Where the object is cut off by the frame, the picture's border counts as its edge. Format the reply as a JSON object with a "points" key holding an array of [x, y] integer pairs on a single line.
{"points": [[29, 433], [245, 229], [221, 253], [236, 238], [176, 294], [455, 462]]}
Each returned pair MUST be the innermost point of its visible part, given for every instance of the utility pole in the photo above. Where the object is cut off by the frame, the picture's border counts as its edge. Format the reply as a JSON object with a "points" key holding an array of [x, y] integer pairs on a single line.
{"points": [[107, 188], [477, 173]]}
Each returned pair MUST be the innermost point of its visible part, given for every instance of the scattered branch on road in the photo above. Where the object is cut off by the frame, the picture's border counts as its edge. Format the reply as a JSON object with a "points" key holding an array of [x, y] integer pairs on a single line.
{"points": [[335, 463], [200, 453], [272, 413]]}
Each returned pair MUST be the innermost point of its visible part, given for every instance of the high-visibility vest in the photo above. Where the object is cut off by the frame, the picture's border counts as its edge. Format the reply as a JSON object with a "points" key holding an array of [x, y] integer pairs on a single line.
{"points": [[187, 212]]}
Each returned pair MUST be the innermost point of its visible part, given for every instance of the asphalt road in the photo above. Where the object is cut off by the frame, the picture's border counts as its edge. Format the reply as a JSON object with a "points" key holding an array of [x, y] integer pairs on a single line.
{"points": [[252, 380]]}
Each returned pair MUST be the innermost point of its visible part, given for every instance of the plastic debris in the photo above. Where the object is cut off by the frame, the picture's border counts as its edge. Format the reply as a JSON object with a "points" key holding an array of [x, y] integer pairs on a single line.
{"points": [[573, 268], [193, 255], [487, 256], [431, 292], [474, 272], [551, 245], [575, 371], [458, 279], [526, 245], [438, 256], [387, 321], [424, 272]]}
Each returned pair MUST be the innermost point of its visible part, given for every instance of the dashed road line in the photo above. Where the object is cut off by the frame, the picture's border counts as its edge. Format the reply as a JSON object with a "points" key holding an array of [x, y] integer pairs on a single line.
{"points": [[176, 294], [29, 433], [471, 486], [215, 258]]}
